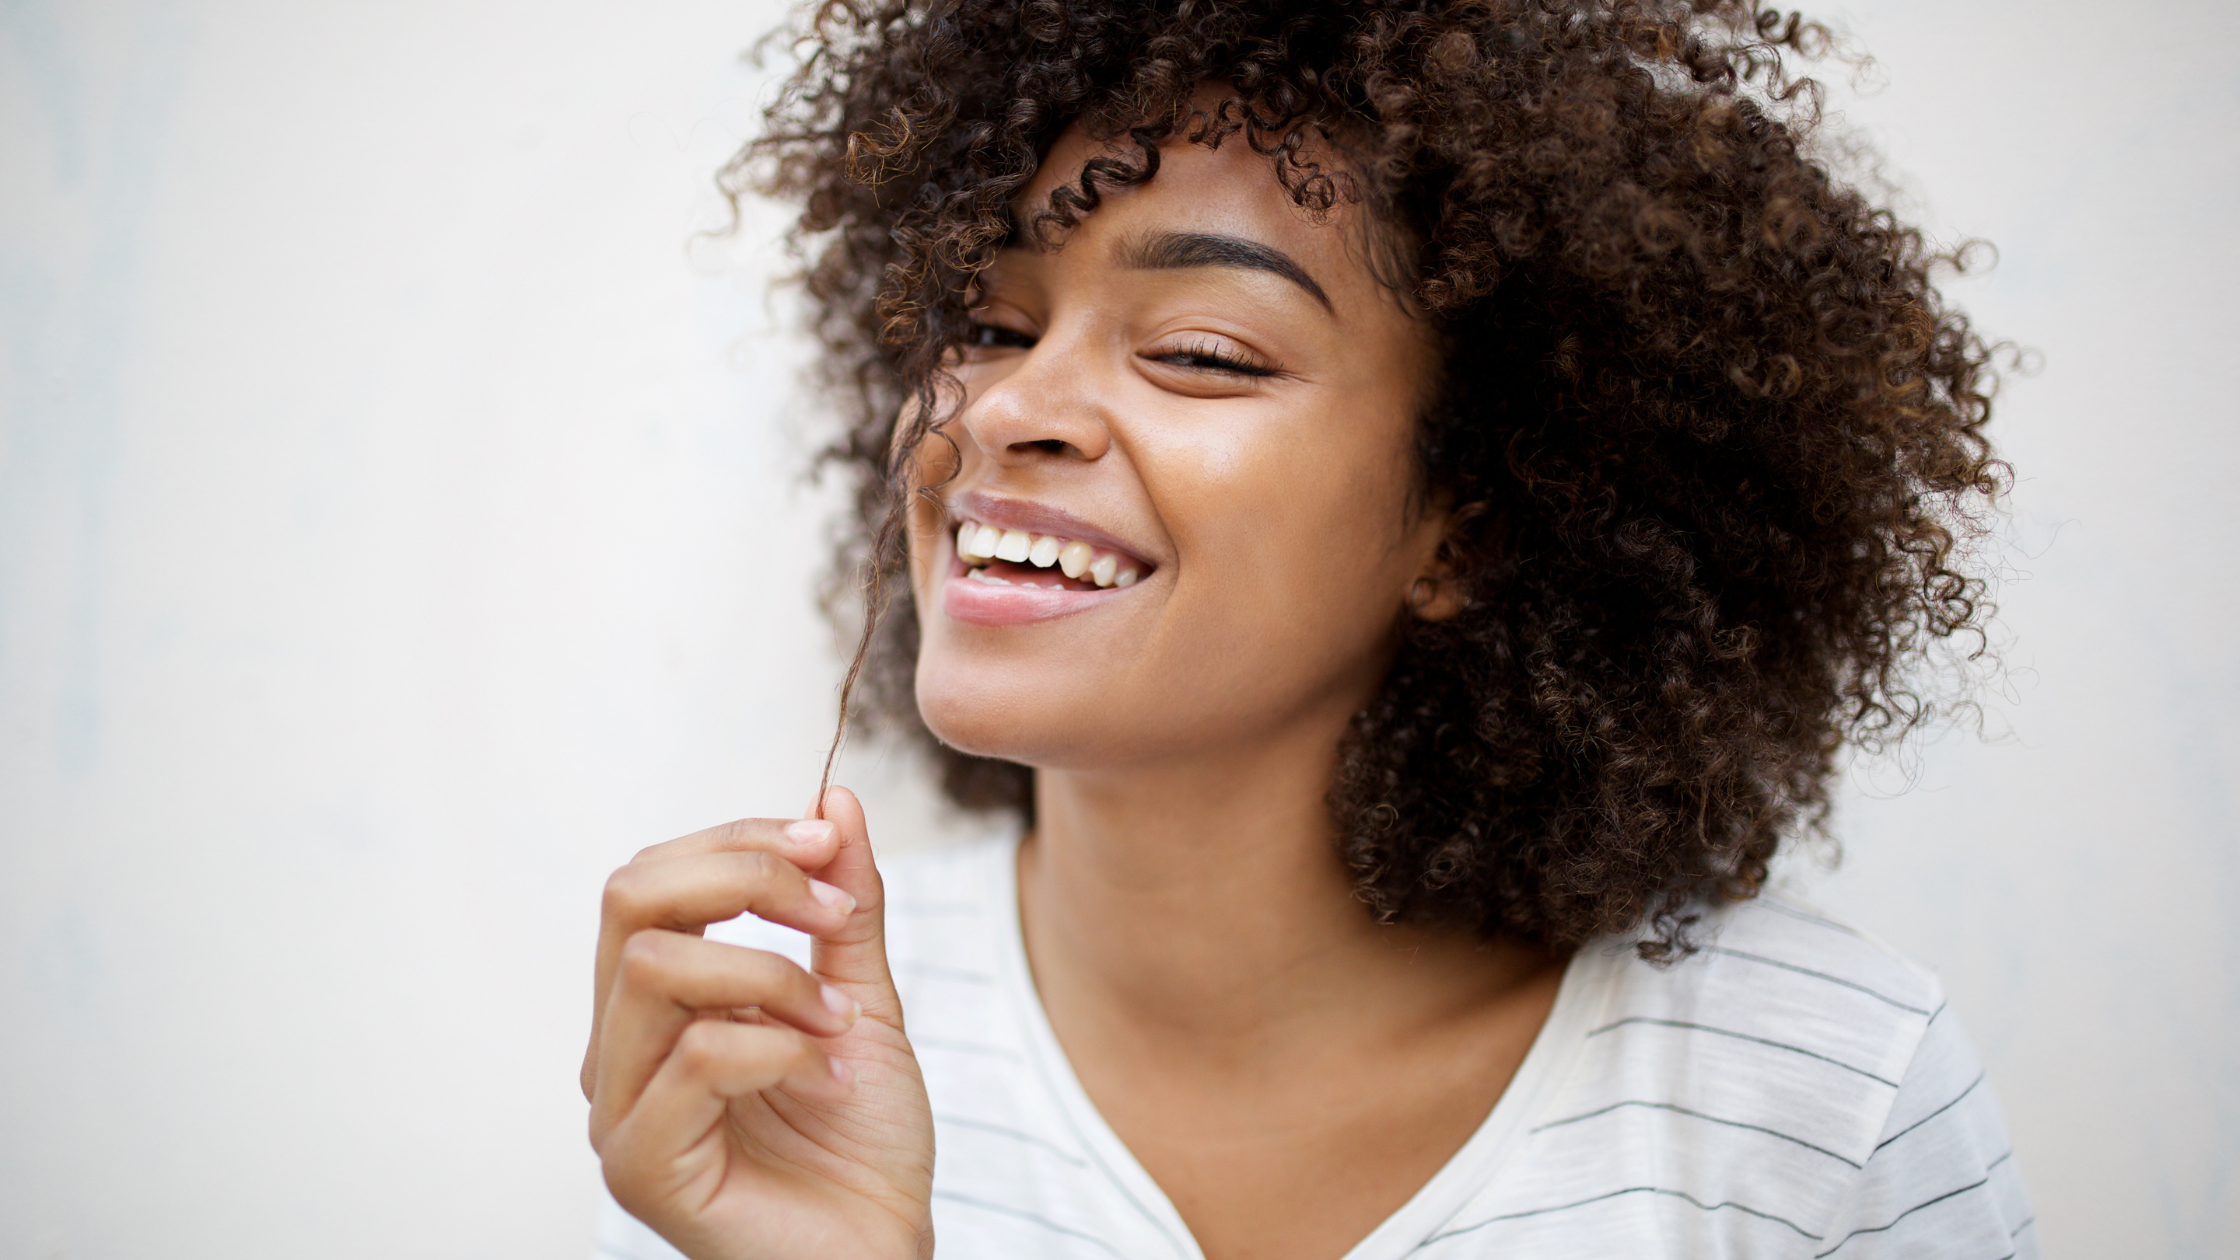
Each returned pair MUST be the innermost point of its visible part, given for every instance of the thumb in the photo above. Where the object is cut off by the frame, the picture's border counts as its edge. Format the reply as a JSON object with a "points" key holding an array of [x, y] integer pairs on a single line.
{"points": [[854, 956]]}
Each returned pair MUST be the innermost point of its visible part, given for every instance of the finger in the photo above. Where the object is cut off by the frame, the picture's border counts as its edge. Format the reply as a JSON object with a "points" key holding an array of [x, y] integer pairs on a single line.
{"points": [[712, 1063], [854, 955], [667, 980], [701, 975], [684, 893], [811, 845], [636, 900]]}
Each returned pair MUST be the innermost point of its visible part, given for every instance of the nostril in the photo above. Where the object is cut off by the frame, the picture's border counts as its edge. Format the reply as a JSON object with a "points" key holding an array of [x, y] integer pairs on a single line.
{"points": [[1049, 446]]}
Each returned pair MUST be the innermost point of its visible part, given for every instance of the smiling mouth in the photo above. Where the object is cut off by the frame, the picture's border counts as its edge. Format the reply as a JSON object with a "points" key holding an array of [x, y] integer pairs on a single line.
{"points": [[1015, 557]]}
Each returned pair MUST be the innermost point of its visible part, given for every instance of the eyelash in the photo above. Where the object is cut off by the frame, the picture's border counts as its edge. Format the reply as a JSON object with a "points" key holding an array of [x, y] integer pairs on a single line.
{"points": [[1205, 356], [1202, 356], [993, 336]]}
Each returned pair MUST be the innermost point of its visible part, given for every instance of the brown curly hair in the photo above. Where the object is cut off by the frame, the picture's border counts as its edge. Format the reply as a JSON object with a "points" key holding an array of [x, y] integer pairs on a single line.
{"points": [[1723, 438]]}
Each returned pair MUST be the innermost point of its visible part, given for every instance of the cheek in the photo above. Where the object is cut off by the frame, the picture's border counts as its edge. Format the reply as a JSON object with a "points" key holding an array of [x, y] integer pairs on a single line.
{"points": [[1310, 500], [1292, 539]]}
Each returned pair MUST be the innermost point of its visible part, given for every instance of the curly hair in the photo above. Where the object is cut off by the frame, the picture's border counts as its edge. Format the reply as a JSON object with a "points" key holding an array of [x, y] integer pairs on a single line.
{"points": [[1718, 437]]}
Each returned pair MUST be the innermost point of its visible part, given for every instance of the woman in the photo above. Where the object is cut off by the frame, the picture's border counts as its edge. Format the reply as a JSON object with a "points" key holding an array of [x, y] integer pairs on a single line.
{"points": [[1400, 505]]}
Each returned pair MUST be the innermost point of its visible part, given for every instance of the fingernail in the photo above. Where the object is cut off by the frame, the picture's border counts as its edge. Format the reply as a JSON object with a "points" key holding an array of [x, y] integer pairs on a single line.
{"points": [[808, 831], [840, 1071], [831, 898], [841, 1004]]}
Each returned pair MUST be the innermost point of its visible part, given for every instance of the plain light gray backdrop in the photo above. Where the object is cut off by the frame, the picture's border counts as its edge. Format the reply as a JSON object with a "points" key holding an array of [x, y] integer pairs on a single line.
{"points": [[398, 528]]}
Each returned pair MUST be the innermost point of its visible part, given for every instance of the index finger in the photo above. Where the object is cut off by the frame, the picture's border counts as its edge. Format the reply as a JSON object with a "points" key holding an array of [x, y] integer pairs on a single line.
{"points": [[808, 843]]}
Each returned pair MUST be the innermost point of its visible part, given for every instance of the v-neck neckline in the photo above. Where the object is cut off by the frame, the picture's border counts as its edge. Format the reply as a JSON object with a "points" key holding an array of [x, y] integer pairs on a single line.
{"points": [[1554, 1049]]}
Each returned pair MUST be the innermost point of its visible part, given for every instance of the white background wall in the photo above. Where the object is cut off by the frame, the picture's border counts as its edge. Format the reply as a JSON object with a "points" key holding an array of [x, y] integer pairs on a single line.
{"points": [[399, 526]]}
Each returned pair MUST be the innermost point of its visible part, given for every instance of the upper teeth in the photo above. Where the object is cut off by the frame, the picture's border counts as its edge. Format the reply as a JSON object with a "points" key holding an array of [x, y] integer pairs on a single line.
{"points": [[977, 544]]}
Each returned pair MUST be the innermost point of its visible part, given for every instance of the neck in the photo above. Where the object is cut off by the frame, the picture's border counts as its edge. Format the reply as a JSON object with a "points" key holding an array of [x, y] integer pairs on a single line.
{"points": [[1206, 901]]}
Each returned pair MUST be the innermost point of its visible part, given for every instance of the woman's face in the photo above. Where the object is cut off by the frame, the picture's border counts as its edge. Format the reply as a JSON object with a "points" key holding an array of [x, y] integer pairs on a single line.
{"points": [[1202, 408]]}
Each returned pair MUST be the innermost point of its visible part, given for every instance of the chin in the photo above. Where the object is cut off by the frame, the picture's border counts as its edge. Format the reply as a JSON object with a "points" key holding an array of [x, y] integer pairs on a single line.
{"points": [[1013, 714], [983, 716]]}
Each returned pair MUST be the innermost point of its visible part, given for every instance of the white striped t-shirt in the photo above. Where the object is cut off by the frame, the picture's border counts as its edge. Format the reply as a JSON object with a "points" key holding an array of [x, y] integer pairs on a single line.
{"points": [[1792, 1090]]}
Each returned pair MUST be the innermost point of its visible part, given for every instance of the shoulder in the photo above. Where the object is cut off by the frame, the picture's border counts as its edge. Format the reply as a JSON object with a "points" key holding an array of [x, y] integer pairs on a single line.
{"points": [[1782, 1042], [1785, 994], [1793, 1087]]}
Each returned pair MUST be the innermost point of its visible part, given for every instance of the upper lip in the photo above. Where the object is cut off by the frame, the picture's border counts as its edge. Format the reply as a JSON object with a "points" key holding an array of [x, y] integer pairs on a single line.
{"points": [[1036, 518]]}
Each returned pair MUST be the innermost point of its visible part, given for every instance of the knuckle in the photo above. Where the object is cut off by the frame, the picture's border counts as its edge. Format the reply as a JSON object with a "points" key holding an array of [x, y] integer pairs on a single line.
{"points": [[643, 958], [741, 831], [623, 892], [701, 1048], [786, 984], [665, 848]]}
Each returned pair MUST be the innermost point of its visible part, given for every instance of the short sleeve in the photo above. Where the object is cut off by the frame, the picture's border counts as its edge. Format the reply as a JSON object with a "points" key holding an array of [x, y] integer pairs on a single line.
{"points": [[1941, 1182]]}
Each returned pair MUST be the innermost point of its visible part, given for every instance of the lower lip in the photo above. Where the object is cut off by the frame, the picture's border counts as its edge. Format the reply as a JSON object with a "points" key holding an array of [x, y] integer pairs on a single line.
{"points": [[993, 604]]}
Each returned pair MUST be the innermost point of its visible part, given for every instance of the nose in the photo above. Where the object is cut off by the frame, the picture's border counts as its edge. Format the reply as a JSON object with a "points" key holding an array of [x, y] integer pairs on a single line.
{"points": [[1044, 407]]}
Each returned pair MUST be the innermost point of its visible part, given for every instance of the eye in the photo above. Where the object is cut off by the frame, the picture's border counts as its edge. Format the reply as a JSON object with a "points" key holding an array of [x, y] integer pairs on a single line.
{"points": [[996, 337], [1208, 356]]}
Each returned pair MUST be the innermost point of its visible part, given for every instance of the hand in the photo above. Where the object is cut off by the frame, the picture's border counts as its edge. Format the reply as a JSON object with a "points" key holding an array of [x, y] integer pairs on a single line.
{"points": [[741, 1106]]}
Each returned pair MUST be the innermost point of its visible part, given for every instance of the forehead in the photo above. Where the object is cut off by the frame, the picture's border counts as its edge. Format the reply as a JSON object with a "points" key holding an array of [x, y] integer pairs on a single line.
{"points": [[1229, 191]]}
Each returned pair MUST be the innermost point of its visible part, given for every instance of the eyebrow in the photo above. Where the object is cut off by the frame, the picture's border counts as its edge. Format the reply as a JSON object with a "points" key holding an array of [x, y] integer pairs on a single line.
{"points": [[1168, 251]]}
